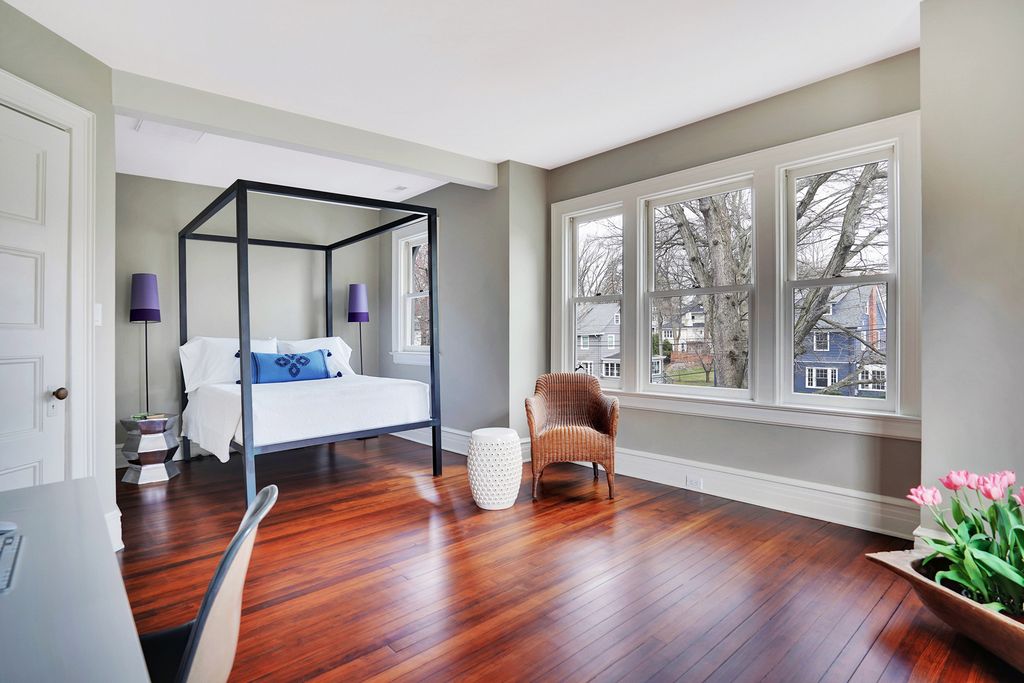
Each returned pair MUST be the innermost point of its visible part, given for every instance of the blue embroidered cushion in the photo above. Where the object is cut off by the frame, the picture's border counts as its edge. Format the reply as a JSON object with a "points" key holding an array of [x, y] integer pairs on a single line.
{"points": [[289, 367]]}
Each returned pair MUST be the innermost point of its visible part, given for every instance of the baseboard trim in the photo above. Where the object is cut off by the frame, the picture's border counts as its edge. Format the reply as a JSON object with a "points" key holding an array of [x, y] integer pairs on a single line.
{"points": [[454, 440], [113, 520], [849, 507]]}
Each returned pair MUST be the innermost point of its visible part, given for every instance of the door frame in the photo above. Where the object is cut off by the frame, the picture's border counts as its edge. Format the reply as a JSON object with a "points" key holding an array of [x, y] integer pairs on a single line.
{"points": [[80, 124]]}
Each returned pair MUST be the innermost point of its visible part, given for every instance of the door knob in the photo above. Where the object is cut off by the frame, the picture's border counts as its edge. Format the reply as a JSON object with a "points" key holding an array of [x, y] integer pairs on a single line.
{"points": [[60, 394]]}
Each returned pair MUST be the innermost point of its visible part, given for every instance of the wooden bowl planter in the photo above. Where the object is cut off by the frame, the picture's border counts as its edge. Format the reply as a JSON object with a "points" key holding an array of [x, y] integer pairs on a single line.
{"points": [[996, 632]]}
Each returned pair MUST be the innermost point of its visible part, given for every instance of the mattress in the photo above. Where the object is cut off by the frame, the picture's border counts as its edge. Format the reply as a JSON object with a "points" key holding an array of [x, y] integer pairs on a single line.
{"points": [[291, 411]]}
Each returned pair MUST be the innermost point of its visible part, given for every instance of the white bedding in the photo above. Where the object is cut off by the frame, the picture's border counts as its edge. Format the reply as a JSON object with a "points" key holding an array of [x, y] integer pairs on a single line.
{"points": [[290, 411]]}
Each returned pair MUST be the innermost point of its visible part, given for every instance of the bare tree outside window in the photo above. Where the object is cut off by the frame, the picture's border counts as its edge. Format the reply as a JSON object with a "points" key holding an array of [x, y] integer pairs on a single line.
{"points": [[701, 243], [418, 295], [598, 300]]}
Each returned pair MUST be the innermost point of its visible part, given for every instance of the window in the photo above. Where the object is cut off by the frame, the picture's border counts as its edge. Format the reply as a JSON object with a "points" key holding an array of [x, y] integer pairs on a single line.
{"points": [[781, 286], [838, 253], [872, 378], [411, 295], [587, 367], [597, 299], [820, 378], [701, 278]]}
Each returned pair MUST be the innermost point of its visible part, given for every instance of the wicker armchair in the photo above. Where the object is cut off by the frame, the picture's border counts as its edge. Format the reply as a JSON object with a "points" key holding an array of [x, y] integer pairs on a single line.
{"points": [[571, 420]]}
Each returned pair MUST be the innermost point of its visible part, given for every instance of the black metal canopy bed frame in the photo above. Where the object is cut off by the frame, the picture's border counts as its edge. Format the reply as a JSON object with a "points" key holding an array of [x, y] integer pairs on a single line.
{"points": [[238, 192]]}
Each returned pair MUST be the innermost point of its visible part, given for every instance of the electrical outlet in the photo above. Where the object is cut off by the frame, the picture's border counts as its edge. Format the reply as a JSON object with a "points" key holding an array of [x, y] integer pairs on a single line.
{"points": [[695, 483]]}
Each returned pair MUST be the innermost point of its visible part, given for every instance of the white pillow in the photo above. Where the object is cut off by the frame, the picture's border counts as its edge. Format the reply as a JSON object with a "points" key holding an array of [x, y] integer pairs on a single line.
{"points": [[212, 360], [337, 362]]}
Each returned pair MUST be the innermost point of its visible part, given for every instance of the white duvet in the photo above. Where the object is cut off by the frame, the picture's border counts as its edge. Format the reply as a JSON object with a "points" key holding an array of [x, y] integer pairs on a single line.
{"points": [[290, 411]]}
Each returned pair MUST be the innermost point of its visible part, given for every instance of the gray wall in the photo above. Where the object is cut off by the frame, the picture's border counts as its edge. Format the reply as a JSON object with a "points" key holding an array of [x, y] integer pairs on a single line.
{"points": [[32, 52], [491, 243], [286, 286], [972, 134], [873, 92]]}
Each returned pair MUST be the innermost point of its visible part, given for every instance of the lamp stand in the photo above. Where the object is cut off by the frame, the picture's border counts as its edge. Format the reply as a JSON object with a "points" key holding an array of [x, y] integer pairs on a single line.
{"points": [[147, 367], [361, 371]]}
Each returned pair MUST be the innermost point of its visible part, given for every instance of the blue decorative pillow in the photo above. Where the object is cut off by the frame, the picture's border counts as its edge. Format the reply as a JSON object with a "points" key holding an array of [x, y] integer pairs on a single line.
{"points": [[289, 367]]}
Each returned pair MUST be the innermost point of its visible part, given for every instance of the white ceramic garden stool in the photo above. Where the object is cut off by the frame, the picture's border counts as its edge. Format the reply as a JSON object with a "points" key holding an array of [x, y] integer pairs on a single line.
{"points": [[495, 467]]}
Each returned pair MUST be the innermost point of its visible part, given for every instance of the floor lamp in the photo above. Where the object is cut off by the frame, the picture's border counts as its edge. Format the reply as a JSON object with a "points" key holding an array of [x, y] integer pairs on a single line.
{"points": [[145, 308], [358, 312]]}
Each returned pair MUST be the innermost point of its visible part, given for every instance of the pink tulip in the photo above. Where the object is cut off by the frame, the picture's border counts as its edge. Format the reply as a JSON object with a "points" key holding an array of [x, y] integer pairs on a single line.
{"points": [[973, 481], [925, 495], [955, 480], [992, 487], [1019, 497], [1009, 478]]}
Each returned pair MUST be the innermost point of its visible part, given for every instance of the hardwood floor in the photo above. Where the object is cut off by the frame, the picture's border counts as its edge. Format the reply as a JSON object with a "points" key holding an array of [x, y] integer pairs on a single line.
{"points": [[369, 568]]}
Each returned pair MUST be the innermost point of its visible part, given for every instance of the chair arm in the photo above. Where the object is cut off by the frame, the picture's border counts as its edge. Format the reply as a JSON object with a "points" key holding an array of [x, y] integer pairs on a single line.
{"points": [[607, 415], [536, 414]]}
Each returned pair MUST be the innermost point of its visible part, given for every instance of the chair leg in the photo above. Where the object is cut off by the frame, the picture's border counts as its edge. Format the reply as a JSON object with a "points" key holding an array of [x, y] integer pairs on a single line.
{"points": [[611, 484], [536, 481], [595, 470]]}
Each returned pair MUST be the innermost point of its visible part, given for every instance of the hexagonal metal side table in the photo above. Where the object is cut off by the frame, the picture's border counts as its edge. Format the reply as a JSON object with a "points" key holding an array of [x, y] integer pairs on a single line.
{"points": [[149, 447]]}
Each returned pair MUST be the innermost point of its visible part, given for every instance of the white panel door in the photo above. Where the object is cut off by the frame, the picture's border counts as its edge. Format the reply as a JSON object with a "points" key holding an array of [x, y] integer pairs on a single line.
{"points": [[34, 186]]}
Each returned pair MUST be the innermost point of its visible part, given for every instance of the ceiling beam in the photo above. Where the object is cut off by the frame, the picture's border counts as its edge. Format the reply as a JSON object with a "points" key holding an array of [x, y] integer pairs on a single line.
{"points": [[155, 100]]}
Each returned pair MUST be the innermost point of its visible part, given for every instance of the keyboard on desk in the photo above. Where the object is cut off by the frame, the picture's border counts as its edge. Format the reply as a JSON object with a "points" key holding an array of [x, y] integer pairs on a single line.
{"points": [[9, 544]]}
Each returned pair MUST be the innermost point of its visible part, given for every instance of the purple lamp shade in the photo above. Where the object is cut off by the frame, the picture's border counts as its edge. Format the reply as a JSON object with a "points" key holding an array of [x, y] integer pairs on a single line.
{"points": [[358, 309], [145, 306]]}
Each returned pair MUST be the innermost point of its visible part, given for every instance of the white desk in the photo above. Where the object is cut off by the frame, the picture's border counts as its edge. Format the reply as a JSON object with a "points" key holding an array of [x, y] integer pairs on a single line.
{"points": [[66, 617]]}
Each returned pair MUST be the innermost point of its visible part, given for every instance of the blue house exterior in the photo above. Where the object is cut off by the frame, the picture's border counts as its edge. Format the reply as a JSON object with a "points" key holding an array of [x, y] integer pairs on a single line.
{"points": [[846, 347]]}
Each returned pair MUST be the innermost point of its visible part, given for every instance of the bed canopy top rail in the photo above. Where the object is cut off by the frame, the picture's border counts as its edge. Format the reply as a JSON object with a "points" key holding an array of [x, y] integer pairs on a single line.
{"points": [[238, 192]]}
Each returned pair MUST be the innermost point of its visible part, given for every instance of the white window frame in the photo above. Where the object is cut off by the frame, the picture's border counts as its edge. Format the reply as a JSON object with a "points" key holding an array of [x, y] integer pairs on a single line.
{"points": [[660, 365], [885, 151], [402, 242], [810, 373], [588, 366], [584, 342], [828, 340], [595, 214], [771, 374], [617, 319], [651, 202], [605, 364], [611, 341]]}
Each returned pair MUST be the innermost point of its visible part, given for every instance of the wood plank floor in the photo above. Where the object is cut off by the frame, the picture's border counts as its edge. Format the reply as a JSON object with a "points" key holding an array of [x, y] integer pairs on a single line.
{"points": [[370, 569]]}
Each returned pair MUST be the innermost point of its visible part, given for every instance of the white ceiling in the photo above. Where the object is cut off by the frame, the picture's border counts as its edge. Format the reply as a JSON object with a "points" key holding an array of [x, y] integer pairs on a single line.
{"points": [[539, 81], [158, 150]]}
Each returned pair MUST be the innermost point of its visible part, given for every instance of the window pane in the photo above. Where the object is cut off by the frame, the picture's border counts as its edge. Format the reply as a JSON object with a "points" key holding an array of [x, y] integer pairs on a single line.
{"points": [[700, 340], [853, 362], [597, 347], [842, 222], [599, 256], [419, 280], [704, 242], [419, 321]]}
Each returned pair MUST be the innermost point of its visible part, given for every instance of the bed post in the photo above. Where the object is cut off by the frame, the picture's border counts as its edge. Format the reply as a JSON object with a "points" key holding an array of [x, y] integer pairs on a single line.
{"points": [[244, 338], [329, 292], [186, 446], [435, 367]]}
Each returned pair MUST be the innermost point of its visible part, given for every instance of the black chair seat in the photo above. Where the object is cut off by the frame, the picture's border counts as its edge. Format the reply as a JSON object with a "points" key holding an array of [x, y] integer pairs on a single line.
{"points": [[163, 651]]}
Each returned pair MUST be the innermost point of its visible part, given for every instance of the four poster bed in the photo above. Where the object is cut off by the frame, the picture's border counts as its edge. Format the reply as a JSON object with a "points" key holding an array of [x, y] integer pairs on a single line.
{"points": [[267, 418]]}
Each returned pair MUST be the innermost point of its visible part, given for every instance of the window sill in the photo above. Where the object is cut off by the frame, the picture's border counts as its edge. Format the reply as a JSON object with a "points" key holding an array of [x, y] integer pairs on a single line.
{"points": [[410, 357], [852, 422]]}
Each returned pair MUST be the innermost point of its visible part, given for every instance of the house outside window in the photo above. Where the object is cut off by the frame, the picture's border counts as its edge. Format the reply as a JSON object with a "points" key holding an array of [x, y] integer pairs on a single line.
{"points": [[781, 294]]}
